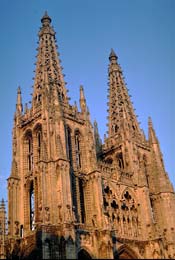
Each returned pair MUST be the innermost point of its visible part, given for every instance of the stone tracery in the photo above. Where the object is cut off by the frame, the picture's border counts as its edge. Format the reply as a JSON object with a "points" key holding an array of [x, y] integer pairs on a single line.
{"points": [[122, 212]]}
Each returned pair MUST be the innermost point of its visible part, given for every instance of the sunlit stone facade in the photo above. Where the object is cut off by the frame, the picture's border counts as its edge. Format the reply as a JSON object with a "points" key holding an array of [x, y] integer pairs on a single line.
{"points": [[69, 195]]}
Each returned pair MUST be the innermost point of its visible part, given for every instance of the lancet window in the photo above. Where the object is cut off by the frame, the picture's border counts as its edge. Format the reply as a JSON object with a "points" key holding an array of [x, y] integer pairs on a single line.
{"points": [[116, 128], [152, 209], [120, 160], [29, 151], [145, 168], [21, 231], [39, 98], [77, 149], [39, 144], [72, 176], [32, 207], [82, 205], [69, 144]]}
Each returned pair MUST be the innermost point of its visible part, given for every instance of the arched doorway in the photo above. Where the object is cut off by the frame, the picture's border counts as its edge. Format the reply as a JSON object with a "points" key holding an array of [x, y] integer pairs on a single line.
{"points": [[83, 254]]}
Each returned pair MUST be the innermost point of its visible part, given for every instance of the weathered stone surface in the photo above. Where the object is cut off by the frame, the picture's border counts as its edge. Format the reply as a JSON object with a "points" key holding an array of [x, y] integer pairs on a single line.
{"points": [[69, 195]]}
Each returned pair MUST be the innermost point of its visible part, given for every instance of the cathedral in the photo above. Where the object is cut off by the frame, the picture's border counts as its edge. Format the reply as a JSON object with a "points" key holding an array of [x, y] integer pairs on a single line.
{"points": [[70, 196]]}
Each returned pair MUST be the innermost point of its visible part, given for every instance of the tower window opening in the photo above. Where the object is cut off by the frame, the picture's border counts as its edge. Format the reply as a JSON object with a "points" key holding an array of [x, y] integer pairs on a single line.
{"points": [[116, 128], [77, 150], [152, 209], [60, 96], [145, 169], [82, 205], [69, 145], [120, 160], [21, 231], [105, 203], [39, 144], [32, 207], [30, 154], [114, 204], [72, 176], [39, 98]]}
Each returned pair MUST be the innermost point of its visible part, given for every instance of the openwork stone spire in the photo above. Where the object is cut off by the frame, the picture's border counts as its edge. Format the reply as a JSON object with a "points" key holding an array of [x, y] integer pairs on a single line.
{"points": [[121, 112], [48, 69]]}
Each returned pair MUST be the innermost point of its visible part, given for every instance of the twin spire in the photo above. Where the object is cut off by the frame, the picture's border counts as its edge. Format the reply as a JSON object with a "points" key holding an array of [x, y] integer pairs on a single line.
{"points": [[49, 77], [122, 117], [48, 66], [121, 112]]}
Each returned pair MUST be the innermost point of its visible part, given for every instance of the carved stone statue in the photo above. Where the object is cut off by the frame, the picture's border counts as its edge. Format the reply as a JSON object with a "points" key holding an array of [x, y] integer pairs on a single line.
{"points": [[94, 220], [68, 213], [47, 214], [16, 228]]}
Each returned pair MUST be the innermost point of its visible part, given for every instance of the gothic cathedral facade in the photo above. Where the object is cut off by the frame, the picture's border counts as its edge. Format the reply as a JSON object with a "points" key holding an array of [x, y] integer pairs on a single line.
{"points": [[69, 195]]}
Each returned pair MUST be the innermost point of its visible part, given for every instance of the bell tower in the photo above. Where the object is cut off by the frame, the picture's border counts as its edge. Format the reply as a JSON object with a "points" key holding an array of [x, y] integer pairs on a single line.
{"points": [[136, 191], [121, 112], [39, 189], [54, 165]]}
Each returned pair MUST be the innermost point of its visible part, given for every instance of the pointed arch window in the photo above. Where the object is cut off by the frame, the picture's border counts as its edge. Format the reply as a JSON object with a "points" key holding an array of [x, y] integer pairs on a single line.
{"points": [[152, 209], [120, 160], [32, 207], [30, 152], [21, 231], [39, 98], [39, 144], [72, 176], [82, 205], [145, 168], [116, 128], [37, 133], [69, 144], [77, 149]]}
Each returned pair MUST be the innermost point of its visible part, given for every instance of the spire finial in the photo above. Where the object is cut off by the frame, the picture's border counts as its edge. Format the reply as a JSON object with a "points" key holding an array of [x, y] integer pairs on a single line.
{"points": [[112, 55], [46, 19], [150, 123], [2, 202], [19, 90]]}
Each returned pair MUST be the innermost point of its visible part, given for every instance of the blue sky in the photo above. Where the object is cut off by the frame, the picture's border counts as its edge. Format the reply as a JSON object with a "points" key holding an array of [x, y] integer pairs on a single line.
{"points": [[141, 32]]}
